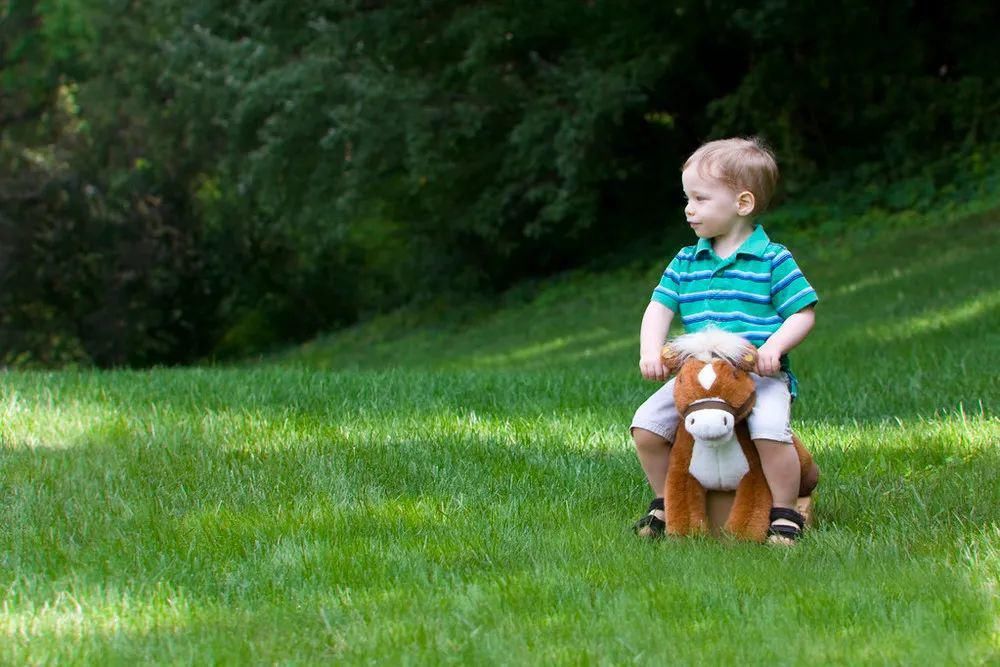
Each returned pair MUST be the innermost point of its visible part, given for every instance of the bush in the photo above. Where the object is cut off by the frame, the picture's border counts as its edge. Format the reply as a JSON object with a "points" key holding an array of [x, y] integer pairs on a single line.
{"points": [[93, 279]]}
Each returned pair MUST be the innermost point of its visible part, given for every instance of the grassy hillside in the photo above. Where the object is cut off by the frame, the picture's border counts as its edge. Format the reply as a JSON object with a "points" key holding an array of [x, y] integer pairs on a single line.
{"points": [[920, 303], [462, 493]]}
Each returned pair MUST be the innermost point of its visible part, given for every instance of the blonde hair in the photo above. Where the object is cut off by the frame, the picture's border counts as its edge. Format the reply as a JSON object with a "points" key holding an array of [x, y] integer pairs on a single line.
{"points": [[742, 164]]}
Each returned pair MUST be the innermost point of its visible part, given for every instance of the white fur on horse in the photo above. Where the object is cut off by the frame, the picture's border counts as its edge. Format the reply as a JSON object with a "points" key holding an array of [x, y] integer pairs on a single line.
{"points": [[717, 459], [709, 343], [707, 376], [719, 466]]}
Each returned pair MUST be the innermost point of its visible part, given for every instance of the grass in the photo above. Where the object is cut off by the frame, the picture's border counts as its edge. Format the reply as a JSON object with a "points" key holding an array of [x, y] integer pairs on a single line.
{"points": [[462, 493]]}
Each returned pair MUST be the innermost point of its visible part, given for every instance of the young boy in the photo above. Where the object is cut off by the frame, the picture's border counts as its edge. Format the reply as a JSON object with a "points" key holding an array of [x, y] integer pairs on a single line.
{"points": [[735, 279]]}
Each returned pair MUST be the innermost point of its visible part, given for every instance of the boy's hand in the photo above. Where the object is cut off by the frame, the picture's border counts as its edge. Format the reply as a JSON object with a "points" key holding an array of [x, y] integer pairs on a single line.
{"points": [[768, 360], [653, 368]]}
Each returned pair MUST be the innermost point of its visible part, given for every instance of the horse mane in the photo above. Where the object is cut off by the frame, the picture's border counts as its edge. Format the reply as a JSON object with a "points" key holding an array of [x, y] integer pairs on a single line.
{"points": [[711, 343]]}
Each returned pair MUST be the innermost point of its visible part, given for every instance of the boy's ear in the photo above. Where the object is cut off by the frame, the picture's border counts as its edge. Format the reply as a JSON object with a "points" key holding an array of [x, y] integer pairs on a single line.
{"points": [[745, 203], [671, 359]]}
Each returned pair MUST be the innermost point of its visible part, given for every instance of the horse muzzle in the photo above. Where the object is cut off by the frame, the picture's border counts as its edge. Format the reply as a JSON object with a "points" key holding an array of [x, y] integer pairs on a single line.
{"points": [[710, 421]]}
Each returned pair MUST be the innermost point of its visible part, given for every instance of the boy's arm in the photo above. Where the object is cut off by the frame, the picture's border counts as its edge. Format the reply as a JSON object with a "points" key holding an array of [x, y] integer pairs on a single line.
{"points": [[653, 334], [792, 332], [794, 299]]}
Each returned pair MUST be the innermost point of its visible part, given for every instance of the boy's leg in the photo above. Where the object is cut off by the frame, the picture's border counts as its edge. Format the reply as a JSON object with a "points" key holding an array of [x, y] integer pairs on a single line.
{"points": [[654, 457], [772, 436], [653, 429], [782, 470]]}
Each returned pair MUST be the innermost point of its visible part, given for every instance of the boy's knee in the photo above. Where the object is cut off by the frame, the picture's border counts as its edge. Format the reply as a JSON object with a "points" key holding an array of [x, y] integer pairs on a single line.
{"points": [[777, 456], [776, 442], [647, 440]]}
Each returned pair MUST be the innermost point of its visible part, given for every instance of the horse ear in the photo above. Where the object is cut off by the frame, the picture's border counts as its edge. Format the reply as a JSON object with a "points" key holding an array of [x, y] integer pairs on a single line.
{"points": [[748, 360], [671, 359]]}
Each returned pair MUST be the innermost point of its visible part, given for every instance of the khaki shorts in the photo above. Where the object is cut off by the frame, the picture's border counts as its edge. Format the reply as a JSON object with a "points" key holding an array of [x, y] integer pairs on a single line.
{"points": [[769, 420]]}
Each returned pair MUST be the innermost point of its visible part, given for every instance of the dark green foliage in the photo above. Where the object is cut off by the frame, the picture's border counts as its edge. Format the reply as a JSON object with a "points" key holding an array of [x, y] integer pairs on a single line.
{"points": [[104, 280], [312, 163], [102, 258], [890, 83]]}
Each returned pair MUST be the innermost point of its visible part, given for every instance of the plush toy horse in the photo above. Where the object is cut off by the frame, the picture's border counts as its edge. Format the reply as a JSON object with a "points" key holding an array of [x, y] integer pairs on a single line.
{"points": [[712, 451]]}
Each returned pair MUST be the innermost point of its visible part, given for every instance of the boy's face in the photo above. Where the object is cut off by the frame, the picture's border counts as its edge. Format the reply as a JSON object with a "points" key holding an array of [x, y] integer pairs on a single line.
{"points": [[713, 208]]}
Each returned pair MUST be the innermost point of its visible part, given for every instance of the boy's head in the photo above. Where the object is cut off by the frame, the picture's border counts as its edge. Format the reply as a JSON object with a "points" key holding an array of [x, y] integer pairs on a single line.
{"points": [[745, 167]]}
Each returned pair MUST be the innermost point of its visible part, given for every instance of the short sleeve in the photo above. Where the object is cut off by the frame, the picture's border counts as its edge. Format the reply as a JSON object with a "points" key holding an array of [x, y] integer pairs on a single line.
{"points": [[790, 291], [667, 292]]}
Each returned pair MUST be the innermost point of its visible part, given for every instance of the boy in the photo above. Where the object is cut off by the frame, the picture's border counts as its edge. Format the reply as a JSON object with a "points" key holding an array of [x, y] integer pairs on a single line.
{"points": [[735, 279]]}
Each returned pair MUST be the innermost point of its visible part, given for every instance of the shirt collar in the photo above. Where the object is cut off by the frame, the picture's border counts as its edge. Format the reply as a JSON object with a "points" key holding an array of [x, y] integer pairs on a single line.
{"points": [[755, 244]]}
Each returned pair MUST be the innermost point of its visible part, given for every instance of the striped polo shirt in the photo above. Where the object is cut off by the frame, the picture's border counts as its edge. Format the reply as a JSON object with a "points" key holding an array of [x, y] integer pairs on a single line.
{"points": [[750, 293]]}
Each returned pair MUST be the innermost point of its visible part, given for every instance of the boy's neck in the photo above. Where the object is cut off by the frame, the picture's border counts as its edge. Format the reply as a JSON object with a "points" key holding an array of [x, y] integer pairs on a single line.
{"points": [[726, 244]]}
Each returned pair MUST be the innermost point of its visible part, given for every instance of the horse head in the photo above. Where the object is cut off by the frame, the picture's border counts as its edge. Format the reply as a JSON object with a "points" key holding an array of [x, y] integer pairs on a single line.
{"points": [[713, 390]]}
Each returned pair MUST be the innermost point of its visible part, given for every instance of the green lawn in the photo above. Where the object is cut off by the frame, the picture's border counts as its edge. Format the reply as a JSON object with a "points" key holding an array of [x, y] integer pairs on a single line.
{"points": [[463, 493]]}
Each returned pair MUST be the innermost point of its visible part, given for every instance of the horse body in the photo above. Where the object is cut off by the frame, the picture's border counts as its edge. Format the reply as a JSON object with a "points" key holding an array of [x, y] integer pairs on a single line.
{"points": [[712, 451]]}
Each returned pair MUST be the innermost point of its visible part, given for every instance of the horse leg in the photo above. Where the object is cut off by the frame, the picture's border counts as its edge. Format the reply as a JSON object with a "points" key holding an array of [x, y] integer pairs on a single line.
{"points": [[750, 516], [810, 471], [751, 508], [698, 505], [684, 496]]}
